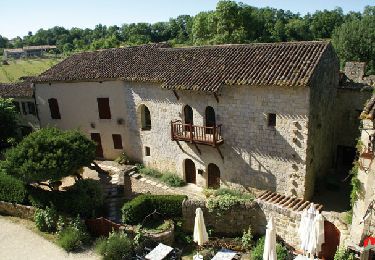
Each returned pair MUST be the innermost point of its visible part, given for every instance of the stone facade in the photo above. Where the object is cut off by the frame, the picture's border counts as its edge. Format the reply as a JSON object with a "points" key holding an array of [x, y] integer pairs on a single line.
{"points": [[17, 210], [363, 223]]}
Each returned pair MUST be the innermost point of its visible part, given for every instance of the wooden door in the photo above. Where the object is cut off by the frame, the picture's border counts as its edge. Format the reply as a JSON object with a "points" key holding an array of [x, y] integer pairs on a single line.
{"points": [[213, 181], [99, 149], [190, 173], [332, 241]]}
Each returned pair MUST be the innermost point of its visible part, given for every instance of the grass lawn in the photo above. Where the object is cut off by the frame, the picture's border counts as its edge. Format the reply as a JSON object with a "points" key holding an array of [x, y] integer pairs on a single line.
{"points": [[25, 67]]}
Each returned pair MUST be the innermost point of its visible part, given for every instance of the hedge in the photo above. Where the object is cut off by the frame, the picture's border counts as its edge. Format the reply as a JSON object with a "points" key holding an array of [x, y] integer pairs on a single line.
{"points": [[135, 211], [12, 190], [85, 198]]}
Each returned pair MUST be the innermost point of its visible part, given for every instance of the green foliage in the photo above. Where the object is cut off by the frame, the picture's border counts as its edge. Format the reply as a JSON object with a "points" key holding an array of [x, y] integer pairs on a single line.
{"points": [[49, 154], [343, 254], [150, 172], [70, 239], [355, 183], [135, 211], [247, 239], [172, 180], [348, 217], [46, 219], [224, 199], [117, 246], [123, 159], [257, 252], [8, 119], [84, 198], [12, 190], [354, 40]]}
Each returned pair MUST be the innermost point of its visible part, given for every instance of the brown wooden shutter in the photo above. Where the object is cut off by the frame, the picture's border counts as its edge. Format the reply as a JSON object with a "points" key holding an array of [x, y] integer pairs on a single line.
{"points": [[104, 109], [54, 108], [117, 141]]}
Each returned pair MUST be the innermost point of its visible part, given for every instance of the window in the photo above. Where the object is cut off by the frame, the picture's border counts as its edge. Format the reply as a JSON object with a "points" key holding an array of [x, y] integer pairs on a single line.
{"points": [[104, 109], [54, 108], [145, 118], [147, 151], [17, 106], [117, 141], [31, 107], [24, 111], [272, 120]]}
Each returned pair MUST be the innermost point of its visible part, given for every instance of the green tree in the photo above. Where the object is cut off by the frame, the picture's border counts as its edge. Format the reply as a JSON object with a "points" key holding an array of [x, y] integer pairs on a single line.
{"points": [[324, 22], [355, 40], [8, 120], [48, 155]]}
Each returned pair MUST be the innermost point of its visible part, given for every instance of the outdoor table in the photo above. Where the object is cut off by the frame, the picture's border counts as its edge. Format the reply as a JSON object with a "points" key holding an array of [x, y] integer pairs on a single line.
{"points": [[159, 252], [225, 255]]}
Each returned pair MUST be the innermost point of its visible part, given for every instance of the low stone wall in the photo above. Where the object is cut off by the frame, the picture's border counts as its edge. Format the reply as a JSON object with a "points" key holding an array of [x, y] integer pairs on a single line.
{"points": [[17, 210], [165, 237], [231, 223]]}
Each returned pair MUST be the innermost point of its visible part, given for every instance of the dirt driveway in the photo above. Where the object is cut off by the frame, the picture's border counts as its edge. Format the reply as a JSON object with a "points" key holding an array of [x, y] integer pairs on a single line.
{"points": [[17, 242]]}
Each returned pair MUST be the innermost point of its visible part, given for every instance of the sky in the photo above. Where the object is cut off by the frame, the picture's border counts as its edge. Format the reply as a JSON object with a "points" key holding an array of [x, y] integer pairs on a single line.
{"points": [[19, 17]]}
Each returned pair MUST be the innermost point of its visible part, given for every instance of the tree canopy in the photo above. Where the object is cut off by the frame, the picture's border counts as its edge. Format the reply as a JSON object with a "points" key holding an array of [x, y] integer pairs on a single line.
{"points": [[48, 155], [8, 120], [230, 22]]}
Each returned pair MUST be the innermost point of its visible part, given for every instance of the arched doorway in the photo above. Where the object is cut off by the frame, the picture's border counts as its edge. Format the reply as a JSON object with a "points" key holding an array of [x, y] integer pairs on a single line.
{"points": [[190, 174], [332, 241], [213, 176], [145, 118], [210, 119]]}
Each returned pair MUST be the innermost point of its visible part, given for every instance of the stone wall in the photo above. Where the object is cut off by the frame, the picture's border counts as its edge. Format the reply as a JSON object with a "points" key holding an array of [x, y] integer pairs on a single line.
{"points": [[320, 143], [231, 223], [17, 210]]}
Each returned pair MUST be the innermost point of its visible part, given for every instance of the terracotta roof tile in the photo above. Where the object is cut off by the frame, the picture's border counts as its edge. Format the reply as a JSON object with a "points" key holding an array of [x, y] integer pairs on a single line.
{"points": [[204, 68], [22, 89]]}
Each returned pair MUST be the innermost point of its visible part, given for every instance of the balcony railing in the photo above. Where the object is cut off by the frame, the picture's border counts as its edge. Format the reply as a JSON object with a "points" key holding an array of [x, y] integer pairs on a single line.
{"points": [[196, 134]]}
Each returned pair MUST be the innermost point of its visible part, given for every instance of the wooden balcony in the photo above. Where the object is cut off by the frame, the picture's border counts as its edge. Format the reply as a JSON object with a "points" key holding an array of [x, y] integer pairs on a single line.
{"points": [[196, 134]]}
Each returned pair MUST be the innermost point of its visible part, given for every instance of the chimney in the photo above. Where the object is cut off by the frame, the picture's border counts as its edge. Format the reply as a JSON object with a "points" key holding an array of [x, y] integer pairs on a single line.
{"points": [[355, 70]]}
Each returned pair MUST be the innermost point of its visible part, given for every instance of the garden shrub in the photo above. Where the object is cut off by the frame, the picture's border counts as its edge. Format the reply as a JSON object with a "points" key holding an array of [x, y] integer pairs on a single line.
{"points": [[12, 190], [72, 234], [136, 210], [46, 219], [123, 159], [257, 252], [172, 180], [117, 246], [343, 254], [247, 239], [70, 239], [150, 172], [84, 198]]}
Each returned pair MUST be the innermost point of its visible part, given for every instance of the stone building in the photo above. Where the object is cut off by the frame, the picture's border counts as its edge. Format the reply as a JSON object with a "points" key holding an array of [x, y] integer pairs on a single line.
{"points": [[27, 51], [22, 95], [249, 116]]}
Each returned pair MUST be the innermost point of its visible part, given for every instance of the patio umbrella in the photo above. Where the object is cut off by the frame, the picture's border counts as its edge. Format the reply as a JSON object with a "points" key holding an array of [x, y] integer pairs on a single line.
{"points": [[270, 242], [200, 232], [319, 228]]}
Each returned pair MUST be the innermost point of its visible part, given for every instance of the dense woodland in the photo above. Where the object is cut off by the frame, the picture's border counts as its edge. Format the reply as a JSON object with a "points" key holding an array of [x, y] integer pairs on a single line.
{"points": [[353, 34]]}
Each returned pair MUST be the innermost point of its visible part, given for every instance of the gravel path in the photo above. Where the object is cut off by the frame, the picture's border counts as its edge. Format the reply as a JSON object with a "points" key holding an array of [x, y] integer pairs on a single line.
{"points": [[17, 242]]}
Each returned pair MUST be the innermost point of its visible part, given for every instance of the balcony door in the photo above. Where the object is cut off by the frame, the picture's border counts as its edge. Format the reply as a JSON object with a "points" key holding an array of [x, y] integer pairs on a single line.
{"points": [[188, 117], [210, 119], [213, 181], [190, 176]]}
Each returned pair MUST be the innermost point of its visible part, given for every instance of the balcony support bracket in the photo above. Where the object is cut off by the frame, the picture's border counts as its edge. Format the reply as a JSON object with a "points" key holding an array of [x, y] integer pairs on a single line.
{"points": [[221, 154], [176, 95], [196, 146], [216, 97]]}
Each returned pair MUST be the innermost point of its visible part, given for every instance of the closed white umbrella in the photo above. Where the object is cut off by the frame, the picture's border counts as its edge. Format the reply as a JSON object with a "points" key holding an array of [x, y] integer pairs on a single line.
{"points": [[270, 242], [319, 228], [200, 233]]}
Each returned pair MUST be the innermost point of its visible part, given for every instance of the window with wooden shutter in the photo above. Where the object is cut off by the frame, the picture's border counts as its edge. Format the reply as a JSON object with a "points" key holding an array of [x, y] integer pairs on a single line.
{"points": [[54, 108], [24, 110], [117, 141], [104, 109]]}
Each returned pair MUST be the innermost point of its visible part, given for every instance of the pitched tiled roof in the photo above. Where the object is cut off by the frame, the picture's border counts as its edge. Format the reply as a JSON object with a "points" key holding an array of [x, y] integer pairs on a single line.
{"points": [[196, 68], [22, 89], [369, 110]]}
